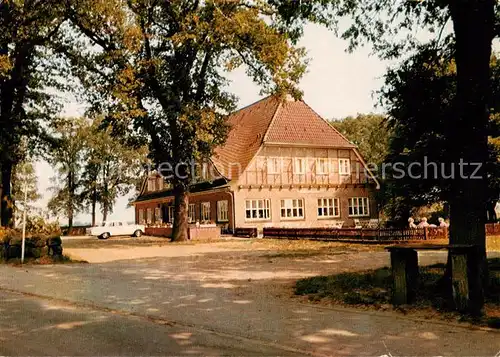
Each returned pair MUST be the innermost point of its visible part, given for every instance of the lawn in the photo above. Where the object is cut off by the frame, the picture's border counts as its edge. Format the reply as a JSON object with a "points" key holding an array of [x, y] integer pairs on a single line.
{"points": [[372, 289]]}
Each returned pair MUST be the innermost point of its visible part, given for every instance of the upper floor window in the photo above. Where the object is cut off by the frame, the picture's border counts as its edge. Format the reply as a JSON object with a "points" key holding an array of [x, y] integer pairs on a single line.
{"points": [[344, 166], [151, 184], [192, 213], [292, 208], [160, 183], [205, 211], [328, 207], [299, 165], [359, 207], [322, 166], [257, 209], [222, 211], [274, 165]]}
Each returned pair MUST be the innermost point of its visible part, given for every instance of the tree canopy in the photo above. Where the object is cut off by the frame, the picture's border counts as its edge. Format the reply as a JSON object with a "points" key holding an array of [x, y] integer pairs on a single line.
{"points": [[370, 133], [161, 68]]}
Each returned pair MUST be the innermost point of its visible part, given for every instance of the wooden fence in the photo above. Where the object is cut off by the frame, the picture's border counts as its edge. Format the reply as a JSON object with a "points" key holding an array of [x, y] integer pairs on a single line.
{"points": [[493, 229], [369, 235]]}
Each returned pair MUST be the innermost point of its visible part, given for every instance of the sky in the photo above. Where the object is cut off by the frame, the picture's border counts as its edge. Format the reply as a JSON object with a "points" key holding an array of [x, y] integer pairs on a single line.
{"points": [[337, 84]]}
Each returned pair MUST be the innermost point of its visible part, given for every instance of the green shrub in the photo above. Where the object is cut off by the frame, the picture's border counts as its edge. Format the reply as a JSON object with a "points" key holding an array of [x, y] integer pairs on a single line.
{"points": [[36, 225]]}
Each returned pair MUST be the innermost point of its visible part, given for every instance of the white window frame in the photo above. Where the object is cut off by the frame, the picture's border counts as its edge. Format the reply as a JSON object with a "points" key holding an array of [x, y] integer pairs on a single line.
{"points": [[192, 213], [151, 184], [171, 212], [328, 207], [359, 207], [299, 169], [142, 219], [271, 168], [294, 206], [205, 212], [149, 218], [158, 218], [344, 167], [325, 170], [223, 211], [258, 209], [204, 171]]}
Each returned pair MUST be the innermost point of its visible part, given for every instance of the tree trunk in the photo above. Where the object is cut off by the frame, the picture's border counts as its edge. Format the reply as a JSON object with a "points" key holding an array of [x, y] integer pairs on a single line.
{"points": [[70, 202], [180, 229], [473, 27], [7, 204], [94, 204], [105, 212]]}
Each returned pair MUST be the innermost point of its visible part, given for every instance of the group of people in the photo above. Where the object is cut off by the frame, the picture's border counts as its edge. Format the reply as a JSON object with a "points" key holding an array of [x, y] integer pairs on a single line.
{"points": [[423, 223]]}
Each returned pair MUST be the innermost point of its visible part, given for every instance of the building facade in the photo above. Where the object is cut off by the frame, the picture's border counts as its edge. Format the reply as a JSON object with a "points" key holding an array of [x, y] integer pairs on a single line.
{"points": [[282, 166]]}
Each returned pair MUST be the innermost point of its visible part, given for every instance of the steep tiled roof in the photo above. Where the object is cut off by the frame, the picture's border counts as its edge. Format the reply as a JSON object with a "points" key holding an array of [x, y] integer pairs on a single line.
{"points": [[248, 127], [296, 123], [273, 121]]}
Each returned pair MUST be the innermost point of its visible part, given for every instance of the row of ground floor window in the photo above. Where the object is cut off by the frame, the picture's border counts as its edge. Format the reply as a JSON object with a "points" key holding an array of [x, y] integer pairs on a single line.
{"points": [[259, 209]]}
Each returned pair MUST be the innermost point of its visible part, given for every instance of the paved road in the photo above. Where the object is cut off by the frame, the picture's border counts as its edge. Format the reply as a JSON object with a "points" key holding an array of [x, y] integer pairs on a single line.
{"points": [[41, 327], [236, 296]]}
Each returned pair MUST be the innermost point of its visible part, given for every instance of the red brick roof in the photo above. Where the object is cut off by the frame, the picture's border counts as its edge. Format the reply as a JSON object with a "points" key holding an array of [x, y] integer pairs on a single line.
{"points": [[273, 121]]}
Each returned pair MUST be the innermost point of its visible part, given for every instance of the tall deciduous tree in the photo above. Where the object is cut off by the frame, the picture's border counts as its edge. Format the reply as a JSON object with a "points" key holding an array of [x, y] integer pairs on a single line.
{"points": [[420, 96], [24, 185], [392, 28], [111, 169], [164, 64], [26, 28], [66, 157]]}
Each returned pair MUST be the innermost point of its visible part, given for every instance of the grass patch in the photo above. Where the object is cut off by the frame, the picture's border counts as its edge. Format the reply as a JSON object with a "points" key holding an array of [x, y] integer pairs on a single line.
{"points": [[123, 242], [310, 245], [372, 289]]}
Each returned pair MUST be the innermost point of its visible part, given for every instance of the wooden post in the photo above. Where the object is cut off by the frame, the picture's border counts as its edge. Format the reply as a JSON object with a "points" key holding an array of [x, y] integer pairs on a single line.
{"points": [[405, 275], [425, 233]]}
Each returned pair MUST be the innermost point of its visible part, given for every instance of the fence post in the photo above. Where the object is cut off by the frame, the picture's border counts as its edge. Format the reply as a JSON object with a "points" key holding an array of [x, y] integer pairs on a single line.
{"points": [[425, 233]]}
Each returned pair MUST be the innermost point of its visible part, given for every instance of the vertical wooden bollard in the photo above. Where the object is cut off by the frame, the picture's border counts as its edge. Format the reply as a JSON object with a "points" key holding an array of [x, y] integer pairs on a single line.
{"points": [[405, 274]]}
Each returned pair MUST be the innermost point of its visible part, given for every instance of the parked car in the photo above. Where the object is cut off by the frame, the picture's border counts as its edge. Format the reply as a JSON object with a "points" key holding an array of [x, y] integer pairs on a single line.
{"points": [[116, 228]]}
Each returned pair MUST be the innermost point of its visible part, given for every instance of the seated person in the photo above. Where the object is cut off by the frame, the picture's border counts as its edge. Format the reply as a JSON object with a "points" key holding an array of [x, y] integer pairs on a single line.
{"points": [[442, 223], [411, 223], [423, 223]]}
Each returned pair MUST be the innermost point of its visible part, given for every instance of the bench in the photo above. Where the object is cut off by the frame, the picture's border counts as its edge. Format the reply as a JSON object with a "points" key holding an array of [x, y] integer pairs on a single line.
{"points": [[464, 273], [245, 232]]}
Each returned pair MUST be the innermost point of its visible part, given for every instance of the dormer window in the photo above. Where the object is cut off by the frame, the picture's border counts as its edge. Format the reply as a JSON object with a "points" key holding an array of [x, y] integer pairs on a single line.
{"points": [[299, 166], [204, 171], [151, 185]]}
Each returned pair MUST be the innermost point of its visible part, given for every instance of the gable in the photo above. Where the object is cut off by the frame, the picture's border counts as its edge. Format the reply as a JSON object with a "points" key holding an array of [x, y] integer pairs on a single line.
{"points": [[272, 120]]}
